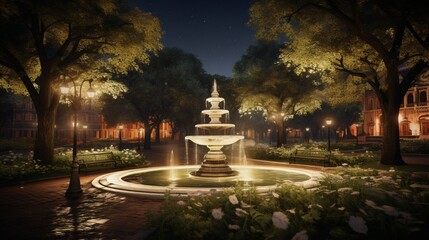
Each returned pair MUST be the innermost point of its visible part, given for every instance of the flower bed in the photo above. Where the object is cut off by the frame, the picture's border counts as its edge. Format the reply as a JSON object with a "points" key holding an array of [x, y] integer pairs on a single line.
{"points": [[351, 204], [16, 167]]}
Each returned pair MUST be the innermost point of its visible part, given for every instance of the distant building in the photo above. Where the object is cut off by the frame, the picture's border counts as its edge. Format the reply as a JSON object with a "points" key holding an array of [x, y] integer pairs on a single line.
{"points": [[413, 115], [91, 125]]}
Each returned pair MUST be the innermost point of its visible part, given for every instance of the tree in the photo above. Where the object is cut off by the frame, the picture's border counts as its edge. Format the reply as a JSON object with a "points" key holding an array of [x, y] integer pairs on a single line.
{"points": [[370, 40], [42, 40], [277, 89], [165, 90]]}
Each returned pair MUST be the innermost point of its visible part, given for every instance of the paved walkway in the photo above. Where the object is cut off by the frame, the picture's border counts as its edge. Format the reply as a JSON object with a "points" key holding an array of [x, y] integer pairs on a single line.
{"points": [[39, 210]]}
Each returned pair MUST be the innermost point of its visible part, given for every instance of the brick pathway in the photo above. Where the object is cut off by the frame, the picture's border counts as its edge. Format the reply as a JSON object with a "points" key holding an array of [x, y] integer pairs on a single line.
{"points": [[40, 211]]}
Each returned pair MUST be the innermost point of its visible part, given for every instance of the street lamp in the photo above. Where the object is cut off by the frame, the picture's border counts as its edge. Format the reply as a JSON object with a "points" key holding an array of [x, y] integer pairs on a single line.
{"points": [[120, 137], [85, 127], [307, 134], [139, 137], [329, 122], [74, 189]]}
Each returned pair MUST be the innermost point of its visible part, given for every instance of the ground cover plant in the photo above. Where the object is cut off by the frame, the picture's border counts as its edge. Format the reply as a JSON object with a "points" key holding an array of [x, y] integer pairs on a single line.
{"points": [[353, 203]]}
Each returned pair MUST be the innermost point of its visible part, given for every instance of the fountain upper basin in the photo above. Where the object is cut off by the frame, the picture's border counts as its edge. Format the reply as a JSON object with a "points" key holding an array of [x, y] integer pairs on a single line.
{"points": [[215, 126], [214, 140]]}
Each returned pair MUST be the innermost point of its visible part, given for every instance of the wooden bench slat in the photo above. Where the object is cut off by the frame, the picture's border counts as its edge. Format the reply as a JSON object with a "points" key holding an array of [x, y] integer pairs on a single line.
{"points": [[94, 159], [316, 155]]}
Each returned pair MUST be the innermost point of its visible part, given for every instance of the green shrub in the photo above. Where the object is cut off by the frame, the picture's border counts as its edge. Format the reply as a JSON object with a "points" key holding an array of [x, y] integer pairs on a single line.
{"points": [[415, 146], [21, 167]]}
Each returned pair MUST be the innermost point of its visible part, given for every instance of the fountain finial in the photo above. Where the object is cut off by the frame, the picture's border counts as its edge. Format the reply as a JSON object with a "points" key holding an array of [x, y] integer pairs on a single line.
{"points": [[215, 93]]}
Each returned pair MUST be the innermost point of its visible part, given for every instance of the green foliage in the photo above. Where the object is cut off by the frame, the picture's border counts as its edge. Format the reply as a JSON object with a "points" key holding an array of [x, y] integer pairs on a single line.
{"points": [[15, 167], [415, 146], [337, 158], [15, 145], [354, 203]]}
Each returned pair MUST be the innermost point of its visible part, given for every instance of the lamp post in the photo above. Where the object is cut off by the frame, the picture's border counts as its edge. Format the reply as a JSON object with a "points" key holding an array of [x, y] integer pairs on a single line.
{"points": [[120, 137], [74, 189], [323, 132], [139, 138], [307, 130], [357, 134], [85, 127], [329, 122]]}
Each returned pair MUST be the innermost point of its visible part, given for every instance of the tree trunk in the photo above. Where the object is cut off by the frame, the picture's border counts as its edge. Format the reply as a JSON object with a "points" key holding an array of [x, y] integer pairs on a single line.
{"points": [[147, 140], [391, 152], [44, 144], [157, 134], [280, 132], [147, 133]]}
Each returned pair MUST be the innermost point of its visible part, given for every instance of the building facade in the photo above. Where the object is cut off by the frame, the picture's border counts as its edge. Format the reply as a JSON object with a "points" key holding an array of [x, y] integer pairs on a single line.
{"points": [[91, 125], [413, 115]]}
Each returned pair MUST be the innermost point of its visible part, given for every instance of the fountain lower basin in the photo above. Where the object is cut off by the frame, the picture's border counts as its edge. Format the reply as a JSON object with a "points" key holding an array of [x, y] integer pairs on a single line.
{"points": [[214, 140], [155, 182]]}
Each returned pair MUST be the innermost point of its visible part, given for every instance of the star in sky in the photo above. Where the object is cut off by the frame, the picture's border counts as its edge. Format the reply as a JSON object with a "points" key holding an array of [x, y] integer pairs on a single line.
{"points": [[215, 31]]}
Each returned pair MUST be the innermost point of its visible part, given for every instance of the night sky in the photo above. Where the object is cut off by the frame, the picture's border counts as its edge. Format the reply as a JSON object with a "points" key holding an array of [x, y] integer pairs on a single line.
{"points": [[215, 31]]}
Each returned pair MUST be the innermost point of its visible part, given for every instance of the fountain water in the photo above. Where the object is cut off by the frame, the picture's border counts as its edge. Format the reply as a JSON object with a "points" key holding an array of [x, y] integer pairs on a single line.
{"points": [[215, 163]]}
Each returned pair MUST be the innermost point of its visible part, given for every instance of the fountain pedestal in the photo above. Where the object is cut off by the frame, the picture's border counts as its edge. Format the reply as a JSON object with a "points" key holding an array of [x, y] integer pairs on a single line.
{"points": [[215, 164]]}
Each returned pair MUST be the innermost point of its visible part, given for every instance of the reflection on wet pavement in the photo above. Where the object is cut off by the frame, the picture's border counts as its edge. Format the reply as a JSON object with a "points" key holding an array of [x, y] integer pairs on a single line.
{"points": [[89, 216]]}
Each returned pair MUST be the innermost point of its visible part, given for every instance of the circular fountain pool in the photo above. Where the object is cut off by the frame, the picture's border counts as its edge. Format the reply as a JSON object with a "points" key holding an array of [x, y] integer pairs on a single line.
{"points": [[177, 180]]}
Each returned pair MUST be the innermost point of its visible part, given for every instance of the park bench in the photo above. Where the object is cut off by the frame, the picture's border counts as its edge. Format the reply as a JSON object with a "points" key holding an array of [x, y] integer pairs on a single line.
{"points": [[311, 155], [97, 159]]}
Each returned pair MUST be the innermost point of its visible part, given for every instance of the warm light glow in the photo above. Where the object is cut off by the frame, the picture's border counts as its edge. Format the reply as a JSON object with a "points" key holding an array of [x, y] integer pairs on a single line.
{"points": [[77, 124], [141, 130], [328, 122], [400, 118], [121, 126], [64, 89], [90, 92], [323, 126], [85, 126], [307, 129]]}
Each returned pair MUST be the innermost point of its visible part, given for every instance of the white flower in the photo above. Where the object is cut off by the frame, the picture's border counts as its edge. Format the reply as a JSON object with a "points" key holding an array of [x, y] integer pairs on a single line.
{"points": [[181, 203], [291, 210], [341, 208], [372, 204], [275, 195], [389, 210], [240, 212], [358, 224], [363, 211], [302, 235], [344, 189], [416, 185], [245, 205], [217, 213], [233, 199], [280, 220], [233, 226]]}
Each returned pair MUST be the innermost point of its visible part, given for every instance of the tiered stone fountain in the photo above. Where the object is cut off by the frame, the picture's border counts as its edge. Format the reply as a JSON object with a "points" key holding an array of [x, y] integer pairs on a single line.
{"points": [[215, 163], [214, 174]]}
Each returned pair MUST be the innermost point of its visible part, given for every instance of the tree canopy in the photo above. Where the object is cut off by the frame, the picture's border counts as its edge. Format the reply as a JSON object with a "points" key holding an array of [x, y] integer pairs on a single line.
{"points": [[277, 89], [165, 90], [369, 40], [42, 40]]}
